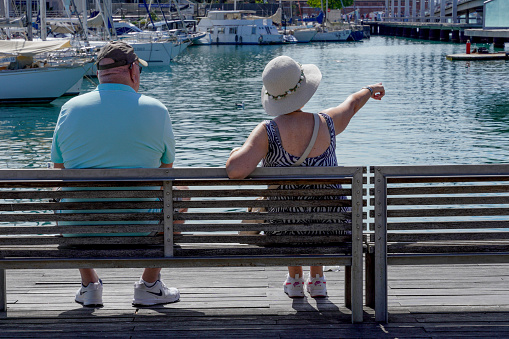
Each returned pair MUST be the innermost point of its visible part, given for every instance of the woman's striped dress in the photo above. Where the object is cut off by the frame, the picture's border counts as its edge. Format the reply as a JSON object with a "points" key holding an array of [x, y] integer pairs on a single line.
{"points": [[278, 157]]}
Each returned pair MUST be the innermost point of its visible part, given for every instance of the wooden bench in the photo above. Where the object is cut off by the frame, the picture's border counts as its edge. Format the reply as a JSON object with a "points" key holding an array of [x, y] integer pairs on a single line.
{"points": [[447, 215], [33, 217]]}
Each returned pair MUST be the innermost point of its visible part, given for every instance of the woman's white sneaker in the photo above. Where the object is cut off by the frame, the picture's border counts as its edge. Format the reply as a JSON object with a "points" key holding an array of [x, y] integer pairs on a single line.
{"points": [[294, 287], [158, 293], [317, 286], [90, 295]]}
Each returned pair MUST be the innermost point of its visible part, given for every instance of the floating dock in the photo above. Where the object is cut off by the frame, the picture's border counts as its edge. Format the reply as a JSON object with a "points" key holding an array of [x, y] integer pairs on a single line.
{"points": [[479, 56]]}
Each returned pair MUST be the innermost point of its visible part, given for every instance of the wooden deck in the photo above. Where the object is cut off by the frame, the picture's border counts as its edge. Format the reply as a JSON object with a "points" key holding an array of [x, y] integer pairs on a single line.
{"points": [[424, 302]]}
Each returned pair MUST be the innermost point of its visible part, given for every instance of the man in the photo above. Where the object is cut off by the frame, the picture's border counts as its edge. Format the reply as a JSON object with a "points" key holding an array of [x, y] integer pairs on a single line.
{"points": [[115, 127]]}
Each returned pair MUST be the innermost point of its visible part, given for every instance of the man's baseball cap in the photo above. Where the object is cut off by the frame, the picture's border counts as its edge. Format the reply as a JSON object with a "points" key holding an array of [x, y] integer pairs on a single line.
{"points": [[122, 53]]}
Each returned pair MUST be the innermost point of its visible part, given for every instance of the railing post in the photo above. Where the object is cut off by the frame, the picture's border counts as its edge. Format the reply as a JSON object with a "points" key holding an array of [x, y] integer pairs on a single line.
{"points": [[381, 312], [3, 291], [357, 247], [168, 218]]}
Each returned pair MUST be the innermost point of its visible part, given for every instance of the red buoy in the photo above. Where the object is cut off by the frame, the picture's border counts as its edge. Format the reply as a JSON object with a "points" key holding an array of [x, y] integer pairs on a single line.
{"points": [[468, 46]]}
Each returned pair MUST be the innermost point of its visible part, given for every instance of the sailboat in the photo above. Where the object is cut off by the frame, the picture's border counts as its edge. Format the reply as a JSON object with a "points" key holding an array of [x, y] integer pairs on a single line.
{"points": [[27, 79]]}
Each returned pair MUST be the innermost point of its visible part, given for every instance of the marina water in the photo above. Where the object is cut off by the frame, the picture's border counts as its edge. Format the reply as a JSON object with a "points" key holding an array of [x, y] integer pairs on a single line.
{"points": [[435, 111]]}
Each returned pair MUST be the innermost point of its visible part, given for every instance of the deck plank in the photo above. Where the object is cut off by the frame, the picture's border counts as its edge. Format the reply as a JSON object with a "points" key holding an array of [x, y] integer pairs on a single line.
{"points": [[424, 302]]}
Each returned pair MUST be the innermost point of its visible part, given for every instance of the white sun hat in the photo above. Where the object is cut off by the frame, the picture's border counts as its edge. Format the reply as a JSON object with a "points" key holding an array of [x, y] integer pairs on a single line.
{"points": [[288, 85]]}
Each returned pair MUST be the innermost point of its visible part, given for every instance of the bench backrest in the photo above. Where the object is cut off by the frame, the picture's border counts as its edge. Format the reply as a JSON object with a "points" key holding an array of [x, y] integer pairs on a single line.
{"points": [[429, 209], [206, 216]]}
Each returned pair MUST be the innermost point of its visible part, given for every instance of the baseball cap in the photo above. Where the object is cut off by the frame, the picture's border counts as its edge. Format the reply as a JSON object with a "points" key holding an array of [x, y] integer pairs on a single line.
{"points": [[122, 53]]}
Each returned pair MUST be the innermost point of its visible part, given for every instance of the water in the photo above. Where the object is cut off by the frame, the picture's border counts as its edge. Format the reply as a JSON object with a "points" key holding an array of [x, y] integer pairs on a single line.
{"points": [[435, 111]]}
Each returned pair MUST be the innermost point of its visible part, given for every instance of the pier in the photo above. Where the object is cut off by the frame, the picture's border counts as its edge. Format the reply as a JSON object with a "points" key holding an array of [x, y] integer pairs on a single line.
{"points": [[424, 302], [435, 20]]}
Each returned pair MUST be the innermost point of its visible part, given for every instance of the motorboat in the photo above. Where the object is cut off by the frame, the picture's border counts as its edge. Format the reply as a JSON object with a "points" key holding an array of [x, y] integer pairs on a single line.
{"points": [[29, 74], [237, 27]]}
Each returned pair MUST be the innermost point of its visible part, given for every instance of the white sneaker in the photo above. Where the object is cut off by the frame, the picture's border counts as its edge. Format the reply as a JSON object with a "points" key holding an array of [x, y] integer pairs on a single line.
{"points": [[294, 287], [90, 295], [317, 286], [157, 293]]}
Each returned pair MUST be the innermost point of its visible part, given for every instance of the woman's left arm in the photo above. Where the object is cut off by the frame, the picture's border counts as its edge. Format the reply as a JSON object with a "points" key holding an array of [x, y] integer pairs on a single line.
{"points": [[243, 160]]}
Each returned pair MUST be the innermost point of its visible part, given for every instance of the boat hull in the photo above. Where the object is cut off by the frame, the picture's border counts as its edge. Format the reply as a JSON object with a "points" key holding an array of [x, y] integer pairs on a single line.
{"points": [[304, 35], [39, 85], [341, 35]]}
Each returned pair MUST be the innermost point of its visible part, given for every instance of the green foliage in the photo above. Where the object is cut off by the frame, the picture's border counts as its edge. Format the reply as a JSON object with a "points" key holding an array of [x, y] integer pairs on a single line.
{"points": [[333, 4]]}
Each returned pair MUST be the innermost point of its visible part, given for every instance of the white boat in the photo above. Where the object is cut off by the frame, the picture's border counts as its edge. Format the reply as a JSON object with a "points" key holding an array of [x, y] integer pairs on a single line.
{"points": [[27, 80], [236, 28], [303, 34], [154, 49], [326, 34]]}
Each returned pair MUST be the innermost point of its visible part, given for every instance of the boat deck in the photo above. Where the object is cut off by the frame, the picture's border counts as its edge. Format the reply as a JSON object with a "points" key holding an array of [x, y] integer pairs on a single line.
{"points": [[424, 302], [479, 56]]}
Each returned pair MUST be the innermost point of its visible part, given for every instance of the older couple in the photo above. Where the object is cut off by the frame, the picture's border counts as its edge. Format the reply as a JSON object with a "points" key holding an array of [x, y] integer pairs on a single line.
{"points": [[116, 127]]}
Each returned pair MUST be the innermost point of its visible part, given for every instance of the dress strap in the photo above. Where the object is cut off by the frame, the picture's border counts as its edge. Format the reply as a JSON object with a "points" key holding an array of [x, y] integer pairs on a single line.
{"points": [[311, 142]]}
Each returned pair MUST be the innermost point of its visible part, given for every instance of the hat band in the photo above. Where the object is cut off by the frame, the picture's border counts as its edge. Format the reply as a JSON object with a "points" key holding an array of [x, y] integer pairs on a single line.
{"points": [[291, 90], [113, 65]]}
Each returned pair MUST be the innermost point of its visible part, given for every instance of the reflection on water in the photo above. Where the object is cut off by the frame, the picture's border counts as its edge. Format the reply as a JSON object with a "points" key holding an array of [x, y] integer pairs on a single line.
{"points": [[435, 112]]}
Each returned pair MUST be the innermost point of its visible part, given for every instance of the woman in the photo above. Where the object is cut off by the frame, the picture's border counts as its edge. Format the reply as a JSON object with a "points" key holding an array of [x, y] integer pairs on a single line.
{"points": [[284, 141]]}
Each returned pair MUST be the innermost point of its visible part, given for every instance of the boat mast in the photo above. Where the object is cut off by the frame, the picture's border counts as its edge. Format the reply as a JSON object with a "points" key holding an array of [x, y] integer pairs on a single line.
{"points": [[42, 5], [180, 15], [29, 20]]}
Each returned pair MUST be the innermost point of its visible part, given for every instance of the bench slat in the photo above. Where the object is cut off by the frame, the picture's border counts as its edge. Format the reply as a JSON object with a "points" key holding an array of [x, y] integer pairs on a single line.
{"points": [[485, 200], [261, 203], [239, 193], [449, 247], [261, 226], [260, 216], [435, 236], [446, 225], [447, 190], [50, 206], [89, 194], [78, 217], [257, 239], [232, 182], [447, 212]]}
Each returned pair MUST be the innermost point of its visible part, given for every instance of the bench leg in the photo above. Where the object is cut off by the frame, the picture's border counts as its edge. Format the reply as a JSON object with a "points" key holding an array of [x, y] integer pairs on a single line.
{"points": [[3, 291], [370, 279], [348, 287]]}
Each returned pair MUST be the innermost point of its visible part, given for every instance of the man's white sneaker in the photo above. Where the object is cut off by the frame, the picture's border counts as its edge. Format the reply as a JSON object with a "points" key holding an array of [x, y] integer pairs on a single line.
{"points": [[90, 295], [317, 286], [294, 287], [154, 294]]}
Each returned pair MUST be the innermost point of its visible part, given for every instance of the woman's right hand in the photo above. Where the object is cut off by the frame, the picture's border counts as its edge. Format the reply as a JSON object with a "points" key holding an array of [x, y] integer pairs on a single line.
{"points": [[378, 91]]}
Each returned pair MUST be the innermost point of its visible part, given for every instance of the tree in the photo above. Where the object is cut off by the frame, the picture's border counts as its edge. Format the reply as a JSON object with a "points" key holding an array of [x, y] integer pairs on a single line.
{"points": [[333, 4]]}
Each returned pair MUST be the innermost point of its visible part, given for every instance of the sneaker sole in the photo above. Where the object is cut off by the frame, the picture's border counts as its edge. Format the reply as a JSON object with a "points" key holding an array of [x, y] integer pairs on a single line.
{"points": [[88, 305], [135, 304], [294, 296]]}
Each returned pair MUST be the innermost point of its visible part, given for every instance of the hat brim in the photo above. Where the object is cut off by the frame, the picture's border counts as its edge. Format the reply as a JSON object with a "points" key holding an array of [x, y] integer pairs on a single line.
{"points": [[143, 62], [296, 100]]}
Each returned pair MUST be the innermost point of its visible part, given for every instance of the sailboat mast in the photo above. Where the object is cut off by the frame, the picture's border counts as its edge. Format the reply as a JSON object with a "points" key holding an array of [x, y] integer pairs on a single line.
{"points": [[42, 5]]}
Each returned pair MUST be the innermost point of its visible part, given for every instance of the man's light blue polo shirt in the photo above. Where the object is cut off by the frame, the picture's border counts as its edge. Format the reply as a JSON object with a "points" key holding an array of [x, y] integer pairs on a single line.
{"points": [[113, 127]]}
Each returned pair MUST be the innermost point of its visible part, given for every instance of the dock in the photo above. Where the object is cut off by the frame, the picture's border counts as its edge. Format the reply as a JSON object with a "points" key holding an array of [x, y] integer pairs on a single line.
{"points": [[479, 56], [424, 302]]}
